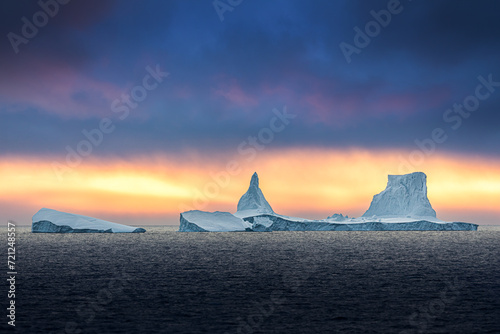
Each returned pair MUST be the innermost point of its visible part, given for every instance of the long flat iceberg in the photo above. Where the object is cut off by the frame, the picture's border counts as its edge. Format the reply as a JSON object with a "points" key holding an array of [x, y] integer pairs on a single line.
{"points": [[402, 206], [52, 221], [281, 223], [199, 221]]}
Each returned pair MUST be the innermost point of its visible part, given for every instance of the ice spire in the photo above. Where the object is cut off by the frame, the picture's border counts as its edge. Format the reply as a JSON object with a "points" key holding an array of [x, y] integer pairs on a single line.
{"points": [[253, 199]]}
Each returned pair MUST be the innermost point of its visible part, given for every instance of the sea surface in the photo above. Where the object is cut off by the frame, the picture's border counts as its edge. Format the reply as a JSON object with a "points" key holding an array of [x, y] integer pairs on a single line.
{"points": [[164, 281]]}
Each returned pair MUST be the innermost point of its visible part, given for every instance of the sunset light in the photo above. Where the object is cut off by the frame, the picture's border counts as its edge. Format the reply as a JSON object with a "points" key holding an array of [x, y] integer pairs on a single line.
{"points": [[315, 183]]}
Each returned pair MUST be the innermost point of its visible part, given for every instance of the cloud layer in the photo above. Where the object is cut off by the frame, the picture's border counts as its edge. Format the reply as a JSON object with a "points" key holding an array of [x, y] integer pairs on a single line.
{"points": [[227, 76]]}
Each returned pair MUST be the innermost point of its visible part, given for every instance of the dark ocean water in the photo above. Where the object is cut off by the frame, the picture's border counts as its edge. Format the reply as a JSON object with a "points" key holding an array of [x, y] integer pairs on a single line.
{"points": [[164, 281]]}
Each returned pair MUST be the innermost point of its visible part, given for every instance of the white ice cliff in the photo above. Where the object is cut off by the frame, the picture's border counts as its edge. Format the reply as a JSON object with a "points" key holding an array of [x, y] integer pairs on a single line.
{"points": [[52, 221], [404, 196]]}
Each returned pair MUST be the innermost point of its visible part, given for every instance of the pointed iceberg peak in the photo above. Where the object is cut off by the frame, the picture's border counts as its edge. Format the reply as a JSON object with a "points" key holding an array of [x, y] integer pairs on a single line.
{"points": [[254, 182], [405, 195], [254, 199]]}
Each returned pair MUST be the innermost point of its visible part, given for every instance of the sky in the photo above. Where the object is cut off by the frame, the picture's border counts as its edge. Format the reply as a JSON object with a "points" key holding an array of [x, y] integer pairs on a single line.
{"points": [[134, 111]]}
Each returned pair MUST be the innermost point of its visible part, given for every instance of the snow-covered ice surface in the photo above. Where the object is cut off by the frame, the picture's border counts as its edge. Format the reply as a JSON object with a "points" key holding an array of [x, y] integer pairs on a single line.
{"points": [[280, 223], [337, 217], [402, 206], [201, 221], [52, 221]]}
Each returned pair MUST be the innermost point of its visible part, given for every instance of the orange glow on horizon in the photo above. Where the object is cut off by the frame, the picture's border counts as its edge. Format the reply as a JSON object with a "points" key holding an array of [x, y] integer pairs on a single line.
{"points": [[296, 182]]}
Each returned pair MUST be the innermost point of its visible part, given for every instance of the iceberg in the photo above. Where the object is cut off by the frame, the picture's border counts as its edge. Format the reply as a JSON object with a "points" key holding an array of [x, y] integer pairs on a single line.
{"points": [[402, 206], [52, 221], [283, 223], [338, 217], [201, 221], [404, 196], [253, 200]]}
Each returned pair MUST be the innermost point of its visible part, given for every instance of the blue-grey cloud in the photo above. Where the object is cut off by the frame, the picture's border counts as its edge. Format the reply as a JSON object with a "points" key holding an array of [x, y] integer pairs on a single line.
{"points": [[226, 77]]}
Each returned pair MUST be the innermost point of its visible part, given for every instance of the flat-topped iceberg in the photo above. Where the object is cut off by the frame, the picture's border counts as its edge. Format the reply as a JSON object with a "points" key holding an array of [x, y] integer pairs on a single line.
{"points": [[402, 206], [52, 221], [283, 223], [200, 221], [405, 195]]}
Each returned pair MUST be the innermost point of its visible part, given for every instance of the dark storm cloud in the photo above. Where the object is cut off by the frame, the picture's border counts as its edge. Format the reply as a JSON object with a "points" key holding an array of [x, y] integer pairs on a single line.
{"points": [[451, 33], [226, 77], [56, 33]]}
